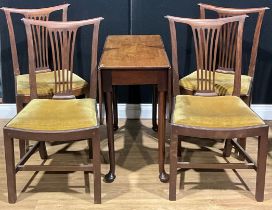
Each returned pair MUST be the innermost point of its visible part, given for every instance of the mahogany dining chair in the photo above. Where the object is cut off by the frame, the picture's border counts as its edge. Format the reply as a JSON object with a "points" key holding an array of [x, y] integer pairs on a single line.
{"points": [[226, 62], [45, 76], [62, 118], [229, 118]]}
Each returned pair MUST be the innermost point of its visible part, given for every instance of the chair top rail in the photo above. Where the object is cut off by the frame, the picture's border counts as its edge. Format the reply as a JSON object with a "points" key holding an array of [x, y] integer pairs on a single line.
{"points": [[35, 11], [232, 10], [206, 22], [62, 25]]}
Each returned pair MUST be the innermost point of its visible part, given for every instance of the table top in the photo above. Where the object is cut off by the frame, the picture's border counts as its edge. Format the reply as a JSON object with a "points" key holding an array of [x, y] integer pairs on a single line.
{"points": [[134, 52]]}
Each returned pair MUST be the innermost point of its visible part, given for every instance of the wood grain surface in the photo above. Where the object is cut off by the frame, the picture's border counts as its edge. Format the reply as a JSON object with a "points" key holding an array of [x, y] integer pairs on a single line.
{"points": [[134, 51]]}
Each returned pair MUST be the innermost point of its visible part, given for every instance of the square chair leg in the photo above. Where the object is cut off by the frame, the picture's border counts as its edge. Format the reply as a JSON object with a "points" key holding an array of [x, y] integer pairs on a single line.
{"points": [[173, 167], [97, 168], [261, 167], [10, 168]]}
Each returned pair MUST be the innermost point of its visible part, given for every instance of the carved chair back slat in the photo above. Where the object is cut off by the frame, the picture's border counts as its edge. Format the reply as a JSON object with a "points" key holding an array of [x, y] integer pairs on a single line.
{"points": [[206, 42], [62, 45], [62, 36], [40, 38], [206, 34], [228, 35], [40, 41], [227, 43]]}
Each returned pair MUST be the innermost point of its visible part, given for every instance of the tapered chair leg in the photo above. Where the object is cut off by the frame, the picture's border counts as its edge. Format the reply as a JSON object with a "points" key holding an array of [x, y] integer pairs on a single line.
{"points": [[90, 146], [179, 146], [173, 167], [22, 147], [242, 143], [10, 168], [27, 145], [261, 167], [227, 148], [19, 104], [97, 169], [42, 150]]}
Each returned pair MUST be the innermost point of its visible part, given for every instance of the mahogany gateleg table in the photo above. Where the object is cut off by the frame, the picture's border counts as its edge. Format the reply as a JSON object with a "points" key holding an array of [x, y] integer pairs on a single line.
{"points": [[134, 60]]}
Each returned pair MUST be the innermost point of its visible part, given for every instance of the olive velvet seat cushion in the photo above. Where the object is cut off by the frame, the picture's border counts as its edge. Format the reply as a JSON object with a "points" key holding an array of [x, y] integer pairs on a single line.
{"points": [[56, 115], [214, 112]]}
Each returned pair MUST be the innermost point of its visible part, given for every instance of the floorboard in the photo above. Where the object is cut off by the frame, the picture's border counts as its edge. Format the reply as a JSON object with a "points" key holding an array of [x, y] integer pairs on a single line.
{"points": [[137, 185]]}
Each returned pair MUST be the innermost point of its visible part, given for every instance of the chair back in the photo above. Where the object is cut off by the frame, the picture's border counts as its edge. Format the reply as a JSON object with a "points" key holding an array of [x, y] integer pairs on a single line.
{"points": [[41, 50], [206, 33], [228, 35], [62, 36]]}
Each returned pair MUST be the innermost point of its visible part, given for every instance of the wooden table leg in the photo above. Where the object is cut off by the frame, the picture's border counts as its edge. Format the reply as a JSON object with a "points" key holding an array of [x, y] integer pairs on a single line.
{"points": [[100, 99], [164, 177], [115, 109], [154, 108], [110, 176]]}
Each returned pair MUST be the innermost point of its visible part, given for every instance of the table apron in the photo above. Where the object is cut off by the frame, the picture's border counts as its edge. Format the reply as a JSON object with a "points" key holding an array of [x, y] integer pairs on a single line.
{"points": [[135, 77]]}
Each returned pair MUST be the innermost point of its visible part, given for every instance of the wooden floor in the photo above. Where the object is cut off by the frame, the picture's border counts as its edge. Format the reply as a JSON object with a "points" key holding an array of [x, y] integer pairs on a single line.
{"points": [[137, 185]]}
